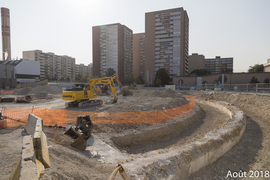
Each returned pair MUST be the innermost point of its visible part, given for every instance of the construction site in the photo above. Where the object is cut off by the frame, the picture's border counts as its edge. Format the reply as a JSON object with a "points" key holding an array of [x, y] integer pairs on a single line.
{"points": [[134, 133]]}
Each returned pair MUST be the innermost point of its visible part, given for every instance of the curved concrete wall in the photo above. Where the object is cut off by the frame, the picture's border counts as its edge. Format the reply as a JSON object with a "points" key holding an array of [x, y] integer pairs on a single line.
{"points": [[180, 161]]}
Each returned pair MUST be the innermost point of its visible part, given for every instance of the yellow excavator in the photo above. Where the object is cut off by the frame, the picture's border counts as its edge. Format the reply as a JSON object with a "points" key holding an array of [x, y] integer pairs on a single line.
{"points": [[81, 94], [103, 89]]}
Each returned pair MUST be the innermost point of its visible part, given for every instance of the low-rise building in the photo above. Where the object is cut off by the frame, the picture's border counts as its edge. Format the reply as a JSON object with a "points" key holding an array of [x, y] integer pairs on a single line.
{"points": [[195, 61], [267, 66], [27, 71], [215, 65]]}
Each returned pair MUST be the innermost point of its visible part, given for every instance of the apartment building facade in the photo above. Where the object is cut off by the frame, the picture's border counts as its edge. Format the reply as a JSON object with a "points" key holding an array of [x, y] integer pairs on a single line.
{"points": [[195, 61], [138, 55], [112, 48], [214, 65], [166, 42], [52, 65], [84, 70]]}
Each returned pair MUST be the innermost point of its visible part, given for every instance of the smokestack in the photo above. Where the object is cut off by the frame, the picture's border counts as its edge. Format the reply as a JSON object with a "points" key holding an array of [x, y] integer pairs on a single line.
{"points": [[6, 51]]}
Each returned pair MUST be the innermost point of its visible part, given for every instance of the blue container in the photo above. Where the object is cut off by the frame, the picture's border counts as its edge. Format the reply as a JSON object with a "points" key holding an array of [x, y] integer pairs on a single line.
{"points": [[0, 116]]}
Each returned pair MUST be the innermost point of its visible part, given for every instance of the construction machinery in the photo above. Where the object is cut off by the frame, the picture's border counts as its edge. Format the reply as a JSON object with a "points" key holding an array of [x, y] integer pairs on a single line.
{"points": [[103, 89], [81, 132], [81, 94]]}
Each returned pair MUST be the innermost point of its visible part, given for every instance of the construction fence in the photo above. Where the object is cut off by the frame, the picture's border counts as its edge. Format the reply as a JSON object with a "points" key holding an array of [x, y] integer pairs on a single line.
{"points": [[53, 117], [252, 88]]}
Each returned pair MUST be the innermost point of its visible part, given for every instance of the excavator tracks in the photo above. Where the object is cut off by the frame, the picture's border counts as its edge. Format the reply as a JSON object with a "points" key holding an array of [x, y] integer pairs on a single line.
{"points": [[84, 104]]}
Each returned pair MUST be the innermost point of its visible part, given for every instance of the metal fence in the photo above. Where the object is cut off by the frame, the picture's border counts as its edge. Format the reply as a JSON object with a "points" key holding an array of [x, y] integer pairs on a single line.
{"points": [[254, 88]]}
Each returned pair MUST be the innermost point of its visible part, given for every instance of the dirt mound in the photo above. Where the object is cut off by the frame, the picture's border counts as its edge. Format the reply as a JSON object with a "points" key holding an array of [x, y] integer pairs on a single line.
{"points": [[41, 94], [125, 91], [37, 90], [150, 101], [22, 91], [131, 87]]}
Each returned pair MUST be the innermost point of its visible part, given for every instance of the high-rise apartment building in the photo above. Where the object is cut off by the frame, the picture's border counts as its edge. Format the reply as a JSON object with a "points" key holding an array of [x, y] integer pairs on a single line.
{"points": [[138, 55], [6, 48], [214, 65], [52, 65], [112, 48], [166, 42]]}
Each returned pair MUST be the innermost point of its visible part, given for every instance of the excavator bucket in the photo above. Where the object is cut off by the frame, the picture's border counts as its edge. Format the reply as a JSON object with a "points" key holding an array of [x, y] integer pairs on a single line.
{"points": [[112, 101], [81, 133], [80, 142]]}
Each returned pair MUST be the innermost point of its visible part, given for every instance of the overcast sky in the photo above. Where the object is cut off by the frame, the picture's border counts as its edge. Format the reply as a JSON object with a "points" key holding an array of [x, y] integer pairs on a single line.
{"points": [[226, 28]]}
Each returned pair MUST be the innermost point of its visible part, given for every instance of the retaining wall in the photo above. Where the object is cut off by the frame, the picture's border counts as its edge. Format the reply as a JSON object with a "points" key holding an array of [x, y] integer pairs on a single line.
{"points": [[179, 162], [35, 156]]}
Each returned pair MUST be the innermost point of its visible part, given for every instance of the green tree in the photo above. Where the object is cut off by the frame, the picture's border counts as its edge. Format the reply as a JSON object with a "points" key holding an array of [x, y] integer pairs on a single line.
{"points": [[94, 77], [139, 80], [256, 68], [62, 79], [78, 77], [254, 80], [85, 79], [266, 80], [68, 79], [158, 82], [200, 72], [110, 72], [48, 78], [163, 76], [127, 80], [225, 69]]}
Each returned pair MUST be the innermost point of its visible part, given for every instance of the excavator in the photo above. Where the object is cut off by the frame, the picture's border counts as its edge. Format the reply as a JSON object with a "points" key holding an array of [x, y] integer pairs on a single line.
{"points": [[81, 94], [103, 89]]}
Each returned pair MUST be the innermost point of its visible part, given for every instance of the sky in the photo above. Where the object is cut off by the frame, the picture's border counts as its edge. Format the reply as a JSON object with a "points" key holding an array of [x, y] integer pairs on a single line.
{"points": [[226, 28]]}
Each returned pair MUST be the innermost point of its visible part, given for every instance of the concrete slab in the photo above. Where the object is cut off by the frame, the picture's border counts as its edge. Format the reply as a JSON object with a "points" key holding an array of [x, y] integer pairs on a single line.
{"points": [[31, 124], [28, 149], [28, 171]]}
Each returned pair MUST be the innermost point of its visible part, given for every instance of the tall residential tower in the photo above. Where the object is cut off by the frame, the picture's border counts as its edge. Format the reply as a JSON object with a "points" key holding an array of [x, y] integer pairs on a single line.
{"points": [[166, 43], [138, 55], [6, 48], [112, 48]]}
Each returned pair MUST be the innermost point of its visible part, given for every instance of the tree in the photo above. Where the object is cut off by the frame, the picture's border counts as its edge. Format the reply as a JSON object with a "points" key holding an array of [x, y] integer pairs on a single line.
{"points": [[62, 79], [139, 80], [68, 79], [158, 82], [225, 69], [254, 80], [201, 72], [78, 77], [48, 78], [256, 68], [163, 76], [266, 80], [110, 72]]}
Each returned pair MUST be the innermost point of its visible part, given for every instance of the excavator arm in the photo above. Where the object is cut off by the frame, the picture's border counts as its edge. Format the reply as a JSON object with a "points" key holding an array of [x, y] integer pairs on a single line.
{"points": [[104, 81]]}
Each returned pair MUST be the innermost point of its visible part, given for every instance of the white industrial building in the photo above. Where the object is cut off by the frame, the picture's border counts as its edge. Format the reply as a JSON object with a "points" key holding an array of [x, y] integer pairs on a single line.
{"points": [[27, 71]]}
